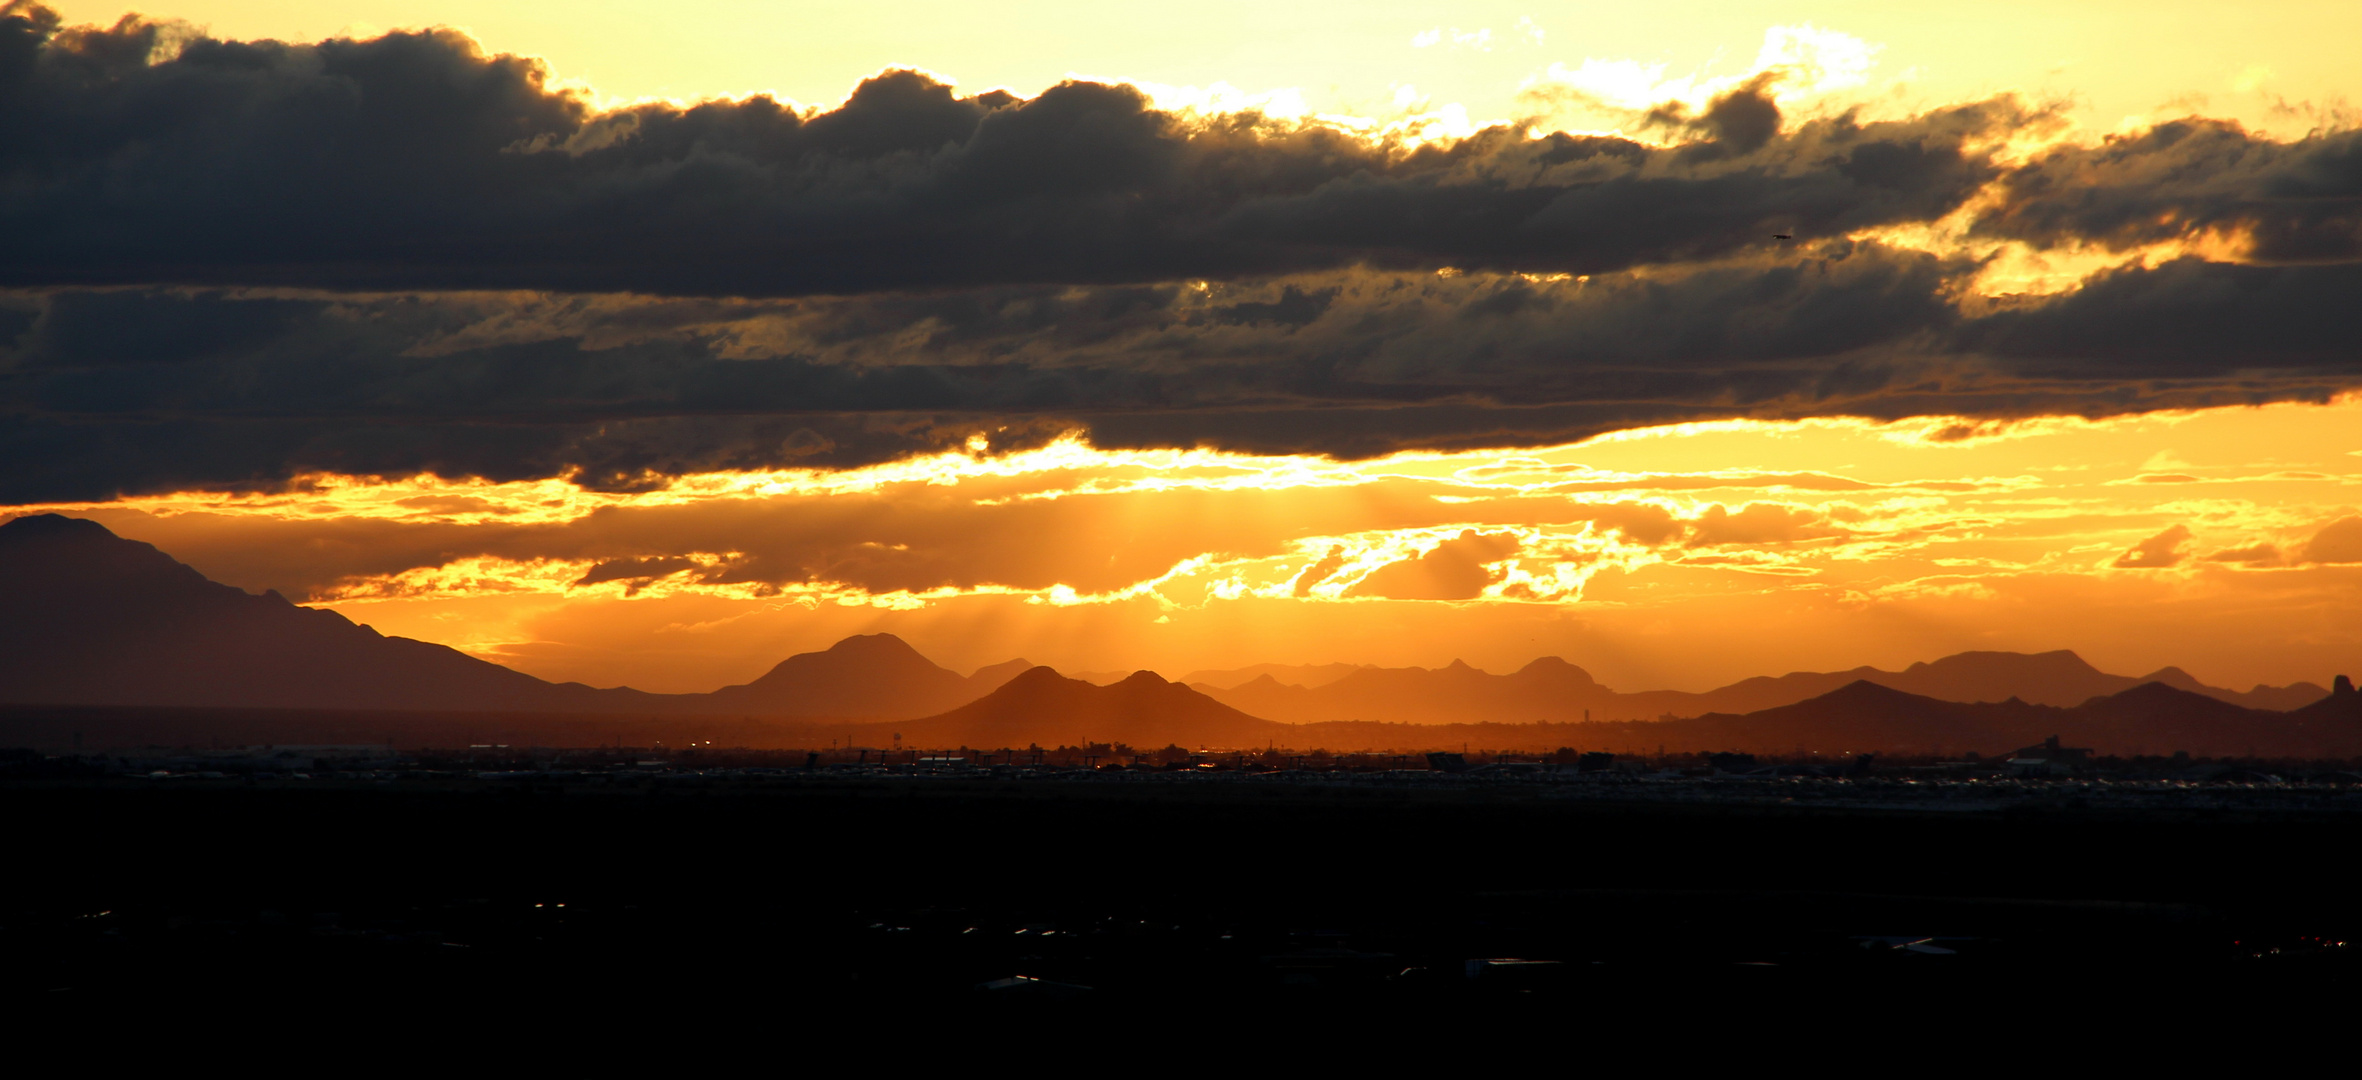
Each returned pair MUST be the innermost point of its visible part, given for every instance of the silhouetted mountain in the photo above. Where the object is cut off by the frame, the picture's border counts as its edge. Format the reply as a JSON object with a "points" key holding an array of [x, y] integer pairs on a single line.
{"points": [[1550, 690], [2059, 677], [2151, 718], [1305, 675], [88, 617], [1866, 717], [990, 677], [2342, 707], [2295, 695], [865, 675], [1044, 707], [2156, 704]]}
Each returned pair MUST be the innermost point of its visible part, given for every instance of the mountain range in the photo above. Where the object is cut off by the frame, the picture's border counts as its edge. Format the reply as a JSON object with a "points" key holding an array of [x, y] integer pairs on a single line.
{"points": [[1550, 690], [2153, 717], [1043, 707], [863, 675], [88, 618]]}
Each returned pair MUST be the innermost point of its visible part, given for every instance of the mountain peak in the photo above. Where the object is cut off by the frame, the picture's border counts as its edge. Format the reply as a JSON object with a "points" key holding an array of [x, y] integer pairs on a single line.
{"points": [[991, 677], [1865, 690], [1040, 673], [1045, 707], [1555, 667], [874, 645], [2061, 660], [89, 617], [2174, 677], [2151, 701], [57, 535], [2156, 690], [862, 675], [48, 526], [1862, 699]]}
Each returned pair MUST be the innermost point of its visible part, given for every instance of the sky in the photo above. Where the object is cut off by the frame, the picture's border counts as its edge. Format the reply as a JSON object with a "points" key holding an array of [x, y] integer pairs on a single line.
{"points": [[640, 345]]}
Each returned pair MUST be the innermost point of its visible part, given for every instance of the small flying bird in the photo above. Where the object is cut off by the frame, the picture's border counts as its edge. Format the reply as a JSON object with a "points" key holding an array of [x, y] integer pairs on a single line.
{"points": [[1782, 236]]}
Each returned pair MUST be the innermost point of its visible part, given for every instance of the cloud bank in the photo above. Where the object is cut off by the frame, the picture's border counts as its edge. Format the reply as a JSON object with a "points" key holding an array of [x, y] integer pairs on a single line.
{"points": [[236, 263]]}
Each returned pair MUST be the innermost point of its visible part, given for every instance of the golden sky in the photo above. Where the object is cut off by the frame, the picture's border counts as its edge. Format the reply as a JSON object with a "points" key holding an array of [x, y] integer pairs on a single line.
{"points": [[1667, 557], [2114, 58], [1284, 358]]}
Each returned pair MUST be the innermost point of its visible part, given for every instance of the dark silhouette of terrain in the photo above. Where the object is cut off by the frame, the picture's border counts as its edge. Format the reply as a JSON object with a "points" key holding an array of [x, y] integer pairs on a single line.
{"points": [[863, 675], [2057, 678], [90, 618], [1041, 706], [1865, 717], [87, 617], [1550, 690]]}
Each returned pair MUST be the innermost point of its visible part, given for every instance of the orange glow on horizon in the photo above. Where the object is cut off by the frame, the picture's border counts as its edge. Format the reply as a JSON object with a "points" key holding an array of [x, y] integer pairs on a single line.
{"points": [[2021, 529], [2225, 540]]}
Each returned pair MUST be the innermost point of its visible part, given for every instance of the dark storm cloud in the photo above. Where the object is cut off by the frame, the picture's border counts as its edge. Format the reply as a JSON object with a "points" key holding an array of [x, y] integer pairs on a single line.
{"points": [[237, 262], [1734, 123], [414, 161], [620, 390], [244, 387], [2187, 317], [2295, 201]]}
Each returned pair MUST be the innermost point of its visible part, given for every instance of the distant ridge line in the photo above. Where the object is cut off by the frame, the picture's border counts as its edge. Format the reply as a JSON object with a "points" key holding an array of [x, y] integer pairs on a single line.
{"points": [[89, 619]]}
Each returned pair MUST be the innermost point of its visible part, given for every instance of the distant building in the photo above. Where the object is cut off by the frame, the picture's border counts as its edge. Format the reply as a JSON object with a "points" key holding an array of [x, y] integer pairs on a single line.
{"points": [[2049, 759]]}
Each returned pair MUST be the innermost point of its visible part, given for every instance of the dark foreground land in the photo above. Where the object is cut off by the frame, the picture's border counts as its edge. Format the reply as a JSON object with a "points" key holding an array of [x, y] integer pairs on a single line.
{"points": [[792, 895]]}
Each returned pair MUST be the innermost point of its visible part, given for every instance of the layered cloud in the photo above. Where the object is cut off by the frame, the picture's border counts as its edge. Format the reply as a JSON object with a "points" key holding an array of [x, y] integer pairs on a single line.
{"points": [[1072, 523], [237, 263], [2020, 535], [658, 392], [2280, 202], [414, 161]]}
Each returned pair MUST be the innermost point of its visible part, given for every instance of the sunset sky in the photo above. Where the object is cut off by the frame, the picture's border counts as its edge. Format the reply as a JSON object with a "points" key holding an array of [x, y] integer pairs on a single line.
{"points": [[647, 344]]}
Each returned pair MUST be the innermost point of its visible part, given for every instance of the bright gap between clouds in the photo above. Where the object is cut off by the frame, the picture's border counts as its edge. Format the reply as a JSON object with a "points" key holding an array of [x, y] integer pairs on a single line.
{"points": [[1833, 503], [2228, 541]]}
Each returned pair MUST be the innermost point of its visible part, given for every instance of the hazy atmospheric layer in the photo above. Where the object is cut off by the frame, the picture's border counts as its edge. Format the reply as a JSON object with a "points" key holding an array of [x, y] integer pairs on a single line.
{"points": [[656, 392], [2224, 540]]}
